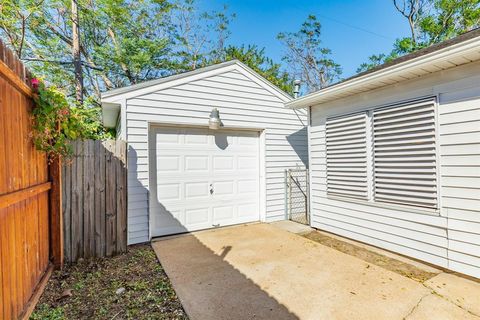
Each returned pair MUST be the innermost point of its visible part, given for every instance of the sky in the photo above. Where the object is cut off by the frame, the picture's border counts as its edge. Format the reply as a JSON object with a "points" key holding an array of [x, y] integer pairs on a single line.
{"points": [[352, 29]]}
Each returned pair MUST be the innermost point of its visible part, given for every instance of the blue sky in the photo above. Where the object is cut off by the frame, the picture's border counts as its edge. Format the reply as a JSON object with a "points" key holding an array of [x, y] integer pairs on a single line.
{"points": [[353, 29]]}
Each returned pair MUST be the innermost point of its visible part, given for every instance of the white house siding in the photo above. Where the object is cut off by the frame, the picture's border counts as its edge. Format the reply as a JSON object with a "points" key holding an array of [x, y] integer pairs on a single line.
{"points": [[459, 119], [242, 102], [450, 238]]}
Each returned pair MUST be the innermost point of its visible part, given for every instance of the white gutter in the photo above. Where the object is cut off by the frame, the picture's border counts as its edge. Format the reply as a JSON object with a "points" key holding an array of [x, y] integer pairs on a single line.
{"points": [[325, 95]]}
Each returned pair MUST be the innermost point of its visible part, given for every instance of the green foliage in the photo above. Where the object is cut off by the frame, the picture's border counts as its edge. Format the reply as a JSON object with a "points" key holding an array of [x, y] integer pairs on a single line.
{"points": [[445, 19], [306, 57], [256, 59], [448, 19], [55, 122], [45, 312], [373, 61], [128, 40], [124, 42]]}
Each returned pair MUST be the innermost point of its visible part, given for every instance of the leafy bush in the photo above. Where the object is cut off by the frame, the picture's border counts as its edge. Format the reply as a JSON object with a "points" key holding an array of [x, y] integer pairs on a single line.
{"points": [[56, 121]]}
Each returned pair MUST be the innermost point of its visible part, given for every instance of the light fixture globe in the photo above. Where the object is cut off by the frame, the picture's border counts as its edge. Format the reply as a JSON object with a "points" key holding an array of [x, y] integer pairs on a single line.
{"points": [[214, 122]]}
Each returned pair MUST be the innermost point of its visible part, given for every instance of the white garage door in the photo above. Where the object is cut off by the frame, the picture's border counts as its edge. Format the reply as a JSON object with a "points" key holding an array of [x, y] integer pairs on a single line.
{"points": [[203, 179]]}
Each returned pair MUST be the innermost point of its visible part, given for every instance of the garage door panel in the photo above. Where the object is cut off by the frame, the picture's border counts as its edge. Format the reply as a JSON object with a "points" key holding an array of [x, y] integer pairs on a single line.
{"points": [[168, 191], [247, 162], [196, 163], [247, 210], [247, 186], [204, 179], [248, 140], [168, 163], [195, 190], [223, 213], [198, 217], [167, 218], [221, 163], [196, 138], [223, 188], [168, 137]]}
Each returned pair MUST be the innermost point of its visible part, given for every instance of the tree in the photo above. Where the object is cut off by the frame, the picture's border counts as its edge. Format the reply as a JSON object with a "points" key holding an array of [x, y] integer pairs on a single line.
{"points": [[412, 10], [307, 59], [449, 18], [256, 59], [373, 61], [434, 21], [200, 36], [121, 41], [131, 41], [77, 59]]}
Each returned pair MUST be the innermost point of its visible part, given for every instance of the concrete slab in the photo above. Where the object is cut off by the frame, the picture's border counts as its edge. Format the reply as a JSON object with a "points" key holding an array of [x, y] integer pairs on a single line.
{"points": [[262, 272], [434, 307], [293, 227], [462, 292]]}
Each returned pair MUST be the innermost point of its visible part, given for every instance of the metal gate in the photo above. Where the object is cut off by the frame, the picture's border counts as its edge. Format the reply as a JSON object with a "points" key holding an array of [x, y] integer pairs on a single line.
{"points": [[296, 195]]}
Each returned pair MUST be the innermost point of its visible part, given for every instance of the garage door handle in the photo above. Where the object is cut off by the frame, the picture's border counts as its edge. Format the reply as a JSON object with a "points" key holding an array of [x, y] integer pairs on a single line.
{"points": [[211, 188]]}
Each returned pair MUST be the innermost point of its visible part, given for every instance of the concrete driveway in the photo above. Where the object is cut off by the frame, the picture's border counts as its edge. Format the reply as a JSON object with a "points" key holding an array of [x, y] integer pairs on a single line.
{"points": [[259, 271]]}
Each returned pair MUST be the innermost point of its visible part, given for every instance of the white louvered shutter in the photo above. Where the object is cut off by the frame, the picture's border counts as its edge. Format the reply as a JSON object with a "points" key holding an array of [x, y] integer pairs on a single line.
{"points": [[347, 156], [405, 163]]}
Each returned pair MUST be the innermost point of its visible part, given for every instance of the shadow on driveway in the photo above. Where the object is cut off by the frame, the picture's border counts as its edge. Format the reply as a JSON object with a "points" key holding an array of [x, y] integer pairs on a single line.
{"points": [[258, 271], [209, 287]]}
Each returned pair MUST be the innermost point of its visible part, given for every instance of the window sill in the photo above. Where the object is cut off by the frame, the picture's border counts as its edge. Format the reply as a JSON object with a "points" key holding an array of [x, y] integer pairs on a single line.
{"points": [[387, 205]]}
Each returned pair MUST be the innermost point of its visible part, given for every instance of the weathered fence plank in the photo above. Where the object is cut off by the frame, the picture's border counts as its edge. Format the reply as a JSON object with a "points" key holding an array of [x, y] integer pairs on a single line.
{"points": [[67, 211], [77, 203], [89, 200], [121, 176], [97, 187], [111, 194], [99, 200]]}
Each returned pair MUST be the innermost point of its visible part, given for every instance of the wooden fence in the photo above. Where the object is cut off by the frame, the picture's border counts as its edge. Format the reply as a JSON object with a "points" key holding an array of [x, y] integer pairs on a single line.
{"points": [[95, 200], [26, 221]]}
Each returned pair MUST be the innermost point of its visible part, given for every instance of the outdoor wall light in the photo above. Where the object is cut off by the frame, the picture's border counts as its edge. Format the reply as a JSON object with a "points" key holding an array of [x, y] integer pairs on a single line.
{"points": [[214, 122]]}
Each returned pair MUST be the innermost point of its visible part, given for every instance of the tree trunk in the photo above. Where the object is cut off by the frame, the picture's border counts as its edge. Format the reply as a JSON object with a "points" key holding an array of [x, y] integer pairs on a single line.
{"points": [[77, 62]]}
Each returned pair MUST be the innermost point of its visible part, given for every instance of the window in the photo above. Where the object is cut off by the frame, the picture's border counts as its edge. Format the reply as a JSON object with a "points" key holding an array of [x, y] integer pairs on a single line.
{"points": [[347, 156], [405, 154], [402, 155]]}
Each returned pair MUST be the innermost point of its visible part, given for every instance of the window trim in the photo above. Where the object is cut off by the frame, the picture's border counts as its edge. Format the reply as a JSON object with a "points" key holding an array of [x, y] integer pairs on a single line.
{"points": [[371, 165]]}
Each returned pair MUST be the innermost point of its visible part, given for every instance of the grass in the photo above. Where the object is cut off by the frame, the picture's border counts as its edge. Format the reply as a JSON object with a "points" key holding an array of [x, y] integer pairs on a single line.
{"points": [[88, 290]]}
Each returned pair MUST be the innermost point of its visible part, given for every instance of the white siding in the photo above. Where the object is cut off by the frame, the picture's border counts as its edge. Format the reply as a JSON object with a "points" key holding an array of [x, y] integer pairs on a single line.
{"points": [[450, 237], [241, 102], [459, 119]]}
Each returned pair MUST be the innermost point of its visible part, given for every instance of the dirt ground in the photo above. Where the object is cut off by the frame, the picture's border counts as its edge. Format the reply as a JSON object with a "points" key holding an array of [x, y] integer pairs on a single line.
{"points": [[128, 286], [402, 268]]}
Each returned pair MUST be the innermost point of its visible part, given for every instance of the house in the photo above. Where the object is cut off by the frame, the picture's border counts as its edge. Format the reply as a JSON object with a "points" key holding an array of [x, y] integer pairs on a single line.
{"points": [[394, 155], [183, 176]]}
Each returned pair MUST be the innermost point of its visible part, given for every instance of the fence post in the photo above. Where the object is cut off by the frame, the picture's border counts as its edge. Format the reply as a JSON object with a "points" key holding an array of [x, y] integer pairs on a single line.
{"points": [[56, 216]]}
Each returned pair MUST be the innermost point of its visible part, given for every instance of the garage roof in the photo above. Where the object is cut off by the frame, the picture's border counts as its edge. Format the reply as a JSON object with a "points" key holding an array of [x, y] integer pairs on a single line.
{"points": [[236, 64], [445, 55], [112, 100]]}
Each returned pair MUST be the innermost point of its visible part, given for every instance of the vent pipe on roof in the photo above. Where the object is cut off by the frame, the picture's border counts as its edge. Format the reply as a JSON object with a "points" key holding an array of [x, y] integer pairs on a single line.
{"points": [[296, 88]]}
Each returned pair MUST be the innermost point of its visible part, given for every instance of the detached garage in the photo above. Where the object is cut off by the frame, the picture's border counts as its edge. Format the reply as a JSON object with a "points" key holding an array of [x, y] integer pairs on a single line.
{"points": [[207, 148], [395, 155]]}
